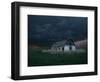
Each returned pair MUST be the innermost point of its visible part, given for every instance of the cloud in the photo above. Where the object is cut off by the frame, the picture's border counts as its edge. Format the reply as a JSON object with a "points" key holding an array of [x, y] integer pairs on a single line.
{"points": [[62, 22], [57, 28], [42, 28]]}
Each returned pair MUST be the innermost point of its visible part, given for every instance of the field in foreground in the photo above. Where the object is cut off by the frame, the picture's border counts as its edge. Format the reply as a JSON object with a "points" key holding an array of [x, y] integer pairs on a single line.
{"points": [[37, 58]]}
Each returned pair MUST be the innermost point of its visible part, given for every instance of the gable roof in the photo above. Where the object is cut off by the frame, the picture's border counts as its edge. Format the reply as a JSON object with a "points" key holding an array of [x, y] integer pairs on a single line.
{"points": [[63, 43]]}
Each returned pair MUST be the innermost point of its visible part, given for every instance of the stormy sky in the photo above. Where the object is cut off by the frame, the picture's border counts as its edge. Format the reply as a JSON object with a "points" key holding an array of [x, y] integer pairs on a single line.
{"points": [[49, 29]]}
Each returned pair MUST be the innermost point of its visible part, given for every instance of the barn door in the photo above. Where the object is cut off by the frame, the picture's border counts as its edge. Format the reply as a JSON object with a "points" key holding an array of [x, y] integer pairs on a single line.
{"points": [[62, 48], [70, 47]]}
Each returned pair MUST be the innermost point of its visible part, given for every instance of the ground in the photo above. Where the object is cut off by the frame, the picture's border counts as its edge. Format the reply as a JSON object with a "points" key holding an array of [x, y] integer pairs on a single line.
{"points": [[38, 58]]}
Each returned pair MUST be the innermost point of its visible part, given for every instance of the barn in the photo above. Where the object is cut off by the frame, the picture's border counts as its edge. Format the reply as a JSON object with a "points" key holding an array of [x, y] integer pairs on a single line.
{"points": [[65, 45]]}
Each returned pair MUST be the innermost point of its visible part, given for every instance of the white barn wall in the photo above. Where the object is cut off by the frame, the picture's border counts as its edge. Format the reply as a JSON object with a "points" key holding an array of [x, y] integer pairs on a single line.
{"points": [[66, 48], [73, 48]]}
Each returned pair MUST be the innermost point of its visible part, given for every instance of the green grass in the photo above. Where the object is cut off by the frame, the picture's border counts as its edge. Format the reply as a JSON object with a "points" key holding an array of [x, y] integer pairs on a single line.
{"points": [[37, 58]]}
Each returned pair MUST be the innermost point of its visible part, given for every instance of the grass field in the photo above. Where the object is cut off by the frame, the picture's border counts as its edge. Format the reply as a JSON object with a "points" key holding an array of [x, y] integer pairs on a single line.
{"points": [[37, 58]]}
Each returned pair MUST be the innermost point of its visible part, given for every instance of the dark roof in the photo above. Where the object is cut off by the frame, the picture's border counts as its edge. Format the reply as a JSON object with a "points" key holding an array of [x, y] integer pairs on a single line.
{"points": [[70, 42], [63, 43]]}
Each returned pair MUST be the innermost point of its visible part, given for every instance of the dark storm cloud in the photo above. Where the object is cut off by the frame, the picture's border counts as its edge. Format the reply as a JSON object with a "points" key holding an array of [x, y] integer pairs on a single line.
{"points": [[55, 28]]}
